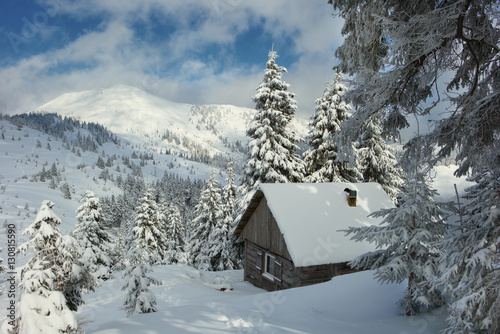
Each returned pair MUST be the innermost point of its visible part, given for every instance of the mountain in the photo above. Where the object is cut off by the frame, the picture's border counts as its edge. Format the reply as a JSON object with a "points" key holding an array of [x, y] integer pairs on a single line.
{"points": [[193, 130]]}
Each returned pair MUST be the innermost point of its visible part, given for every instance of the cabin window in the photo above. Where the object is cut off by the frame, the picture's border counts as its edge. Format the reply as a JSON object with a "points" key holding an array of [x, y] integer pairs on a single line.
{"points": [[272, 268], [269, 264]]}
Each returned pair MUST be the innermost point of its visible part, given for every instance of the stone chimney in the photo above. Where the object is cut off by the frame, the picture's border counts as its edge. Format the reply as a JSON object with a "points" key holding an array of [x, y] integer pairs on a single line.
{"points": [[351, 196]]}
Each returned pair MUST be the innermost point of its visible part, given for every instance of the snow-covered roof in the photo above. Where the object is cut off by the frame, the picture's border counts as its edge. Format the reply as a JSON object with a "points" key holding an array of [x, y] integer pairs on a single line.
{"points": [[310, 216]]}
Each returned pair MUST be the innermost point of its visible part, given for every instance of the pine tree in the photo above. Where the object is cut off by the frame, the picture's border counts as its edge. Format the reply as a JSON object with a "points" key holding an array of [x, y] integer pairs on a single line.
{"points": [[406, 238], [138, 298], [208, 213], [94, 240], [471, 264], [176, 245], [397, 57], [377, 161], [321, 158], [120, 249], [52, 278], [73, 276], [42, 309], [220, 242], [397, 51], [230, 210], [147, 233], [221, 239], [53, 184], [66, 190], [272, 145]]}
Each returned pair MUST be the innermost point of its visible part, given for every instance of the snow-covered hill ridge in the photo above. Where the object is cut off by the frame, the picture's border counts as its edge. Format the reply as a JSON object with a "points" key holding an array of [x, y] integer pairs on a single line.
{"points": [[177, 127]]}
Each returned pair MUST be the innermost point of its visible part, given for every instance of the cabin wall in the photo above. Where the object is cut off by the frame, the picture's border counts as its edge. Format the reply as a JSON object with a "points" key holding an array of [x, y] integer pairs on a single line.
{"points": [[290, 275], [322, 273], [252, 273], [262, 230]]}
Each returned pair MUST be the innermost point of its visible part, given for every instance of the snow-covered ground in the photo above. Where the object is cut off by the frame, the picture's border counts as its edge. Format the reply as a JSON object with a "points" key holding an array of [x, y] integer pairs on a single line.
{"points": [[190, 301]]}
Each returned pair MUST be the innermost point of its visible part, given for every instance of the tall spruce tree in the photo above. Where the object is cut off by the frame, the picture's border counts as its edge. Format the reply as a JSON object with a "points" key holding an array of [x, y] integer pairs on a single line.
{"points": [[407, 238], [222, 242], [74, 278], [325, 160], [93, 238], [376, 159], [273, 145], [471, 263], [175, 251], [398, 51], [208, 215], [148, 232], [42, 308], [230, 194], [52, 278]]}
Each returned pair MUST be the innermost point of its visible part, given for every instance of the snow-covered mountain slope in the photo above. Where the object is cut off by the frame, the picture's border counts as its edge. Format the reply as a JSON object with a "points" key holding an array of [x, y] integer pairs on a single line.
{"points": [[25, 153], [162, 124]]}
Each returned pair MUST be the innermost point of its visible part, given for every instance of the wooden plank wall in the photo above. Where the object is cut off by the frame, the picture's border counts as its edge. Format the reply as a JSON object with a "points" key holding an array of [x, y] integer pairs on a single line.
{"points": [[291, 276], [254, 275], [262, 229], [322, 273]]}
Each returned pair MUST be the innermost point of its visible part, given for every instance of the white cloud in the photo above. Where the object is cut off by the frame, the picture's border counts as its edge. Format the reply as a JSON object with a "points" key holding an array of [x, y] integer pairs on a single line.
{"points": [[176, 66]]}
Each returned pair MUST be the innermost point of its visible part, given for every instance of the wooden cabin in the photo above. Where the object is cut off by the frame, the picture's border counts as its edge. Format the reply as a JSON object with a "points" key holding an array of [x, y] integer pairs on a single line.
{"points": [[292, 236]]}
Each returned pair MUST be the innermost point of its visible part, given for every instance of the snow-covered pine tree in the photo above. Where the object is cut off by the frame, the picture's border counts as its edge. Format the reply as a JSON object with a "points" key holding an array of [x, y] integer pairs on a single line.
{"points": [[272, 145], [73, 275], [120, 250], [376, 159], [406, 237], [397, 52], [229, 193], [66, 190], [221, 238], [176, 245], [471, 263], [322, 158], [52, 272], [42, 309], [208, 214], [230, 207], [93, 238], [147, 233], [138, 298], [221, 254]]}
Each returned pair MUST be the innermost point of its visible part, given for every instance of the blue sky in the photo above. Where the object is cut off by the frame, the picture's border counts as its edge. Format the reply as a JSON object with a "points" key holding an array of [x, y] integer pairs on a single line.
{"points": [[191, 51]]}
